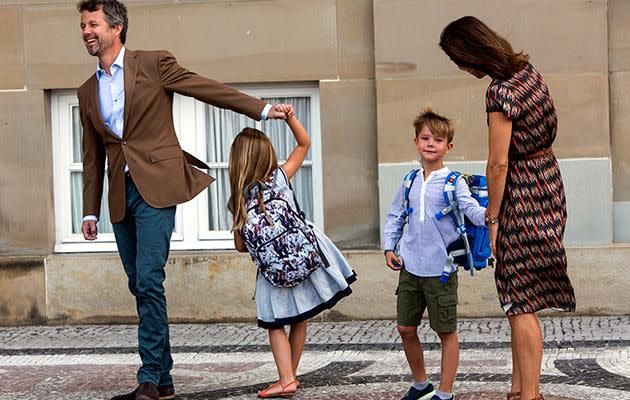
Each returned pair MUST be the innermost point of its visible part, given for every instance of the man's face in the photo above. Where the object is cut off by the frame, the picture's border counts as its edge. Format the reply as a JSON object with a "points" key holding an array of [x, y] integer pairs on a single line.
{"points": [[97, 35]]}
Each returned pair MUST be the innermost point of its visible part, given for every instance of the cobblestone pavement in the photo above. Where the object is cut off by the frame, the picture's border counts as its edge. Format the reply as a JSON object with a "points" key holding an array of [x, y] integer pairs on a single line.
{"points": [[584, 358]]}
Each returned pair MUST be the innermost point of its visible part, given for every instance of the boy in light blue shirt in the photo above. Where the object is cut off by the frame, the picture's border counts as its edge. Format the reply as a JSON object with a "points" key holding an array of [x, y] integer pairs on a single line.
{"points": [[422, 256]]}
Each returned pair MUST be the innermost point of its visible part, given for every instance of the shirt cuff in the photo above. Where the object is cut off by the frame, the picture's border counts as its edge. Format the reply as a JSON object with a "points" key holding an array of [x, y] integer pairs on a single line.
{"points": [[90, 218], [390, 244], [265, 112]]}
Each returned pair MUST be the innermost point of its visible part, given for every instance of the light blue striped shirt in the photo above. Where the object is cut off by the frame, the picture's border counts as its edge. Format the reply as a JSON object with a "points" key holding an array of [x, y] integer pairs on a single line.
{"points": [[423, 243]]}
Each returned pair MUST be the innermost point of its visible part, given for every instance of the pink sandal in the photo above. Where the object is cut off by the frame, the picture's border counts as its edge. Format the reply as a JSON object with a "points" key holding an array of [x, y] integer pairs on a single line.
{"points": [[284, 393]]}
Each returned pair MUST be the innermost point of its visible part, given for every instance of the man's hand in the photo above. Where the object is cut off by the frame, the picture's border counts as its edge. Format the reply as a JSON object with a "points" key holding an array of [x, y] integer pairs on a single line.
{"points": [[393, 261], [89, 229], [280, 111]]}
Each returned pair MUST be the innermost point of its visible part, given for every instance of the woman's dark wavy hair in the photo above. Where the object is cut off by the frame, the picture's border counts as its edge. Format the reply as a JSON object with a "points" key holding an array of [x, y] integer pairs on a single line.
{"points": [[471, 44], [114, 10]]}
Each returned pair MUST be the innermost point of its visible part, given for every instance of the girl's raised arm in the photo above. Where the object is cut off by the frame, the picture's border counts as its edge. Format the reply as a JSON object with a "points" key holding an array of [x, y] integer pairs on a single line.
{"points": [[295, 160]]}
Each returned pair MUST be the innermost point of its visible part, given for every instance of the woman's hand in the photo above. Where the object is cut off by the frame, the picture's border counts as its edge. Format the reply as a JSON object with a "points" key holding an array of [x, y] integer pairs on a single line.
{"points": [[493, 231], [393, 261]]}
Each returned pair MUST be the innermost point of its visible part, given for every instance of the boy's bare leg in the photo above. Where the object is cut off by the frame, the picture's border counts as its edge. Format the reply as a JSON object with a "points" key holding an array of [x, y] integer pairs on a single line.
{"points": [[450, 360], [297, 338], [413, 352], [527, 341]]}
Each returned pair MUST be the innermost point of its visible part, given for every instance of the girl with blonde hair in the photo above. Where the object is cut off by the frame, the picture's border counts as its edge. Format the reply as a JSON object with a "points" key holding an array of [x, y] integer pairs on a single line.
{"points": [[301, 284]]}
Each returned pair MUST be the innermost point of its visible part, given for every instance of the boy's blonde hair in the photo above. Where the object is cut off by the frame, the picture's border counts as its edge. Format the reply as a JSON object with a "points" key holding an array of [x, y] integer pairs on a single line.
{"points": [[252, 159], [439, 125]]}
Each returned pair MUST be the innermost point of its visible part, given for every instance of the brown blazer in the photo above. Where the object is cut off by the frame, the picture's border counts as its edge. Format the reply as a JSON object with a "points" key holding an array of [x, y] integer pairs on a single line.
{"points": [[160, 169]]}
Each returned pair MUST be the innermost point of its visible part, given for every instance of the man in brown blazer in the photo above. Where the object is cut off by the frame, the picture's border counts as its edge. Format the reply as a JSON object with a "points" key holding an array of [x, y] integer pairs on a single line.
{"points": [[126, 113]]}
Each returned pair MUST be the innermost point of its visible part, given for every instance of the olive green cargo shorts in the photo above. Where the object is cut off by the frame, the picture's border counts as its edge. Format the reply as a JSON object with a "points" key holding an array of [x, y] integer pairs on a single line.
{"points": [[415, 294]]}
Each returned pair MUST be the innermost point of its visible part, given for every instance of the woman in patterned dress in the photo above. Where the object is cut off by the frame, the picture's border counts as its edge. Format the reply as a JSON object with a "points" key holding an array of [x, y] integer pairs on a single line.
{"points": [[526, 213]]}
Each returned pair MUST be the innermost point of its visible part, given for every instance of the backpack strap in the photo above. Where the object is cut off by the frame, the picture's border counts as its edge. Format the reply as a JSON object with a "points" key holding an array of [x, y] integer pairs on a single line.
{"points": [[406, 188], [452, 207], [302, 215], [450, 196]]}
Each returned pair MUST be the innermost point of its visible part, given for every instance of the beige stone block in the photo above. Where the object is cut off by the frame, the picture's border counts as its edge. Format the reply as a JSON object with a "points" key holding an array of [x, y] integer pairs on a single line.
{"points": [[22, 291], [355, 24], [620, 134], [218, 287], [88, 288], [460, 99], [252, 41], [200, 288], [580, 99], [261, 41], [562, 36], [56, 63], [348, 110], [596, 273], [583, 114], [619, 35], [11, 48], [26, 212]]}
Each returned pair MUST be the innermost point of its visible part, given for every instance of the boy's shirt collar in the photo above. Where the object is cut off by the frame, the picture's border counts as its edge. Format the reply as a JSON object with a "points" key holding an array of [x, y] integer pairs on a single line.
{"points": [[437, 171]]}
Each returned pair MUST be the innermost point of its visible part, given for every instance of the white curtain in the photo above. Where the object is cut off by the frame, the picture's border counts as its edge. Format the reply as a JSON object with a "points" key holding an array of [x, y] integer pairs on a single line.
{"points": [[76, 197], [76, 183], [223, 126]]}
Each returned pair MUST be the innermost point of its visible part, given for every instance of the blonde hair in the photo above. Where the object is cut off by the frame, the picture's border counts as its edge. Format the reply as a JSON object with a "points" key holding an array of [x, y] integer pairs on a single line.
{"points": [[252, 159], [440, 126]]}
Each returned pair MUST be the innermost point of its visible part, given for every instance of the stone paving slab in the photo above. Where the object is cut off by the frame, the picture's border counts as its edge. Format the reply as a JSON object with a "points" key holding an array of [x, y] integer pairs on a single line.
{"points": [[584, 358]]}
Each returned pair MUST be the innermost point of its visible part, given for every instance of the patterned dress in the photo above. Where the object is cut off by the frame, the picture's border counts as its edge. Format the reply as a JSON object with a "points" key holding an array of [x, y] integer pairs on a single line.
{"points": [[531, 272]]}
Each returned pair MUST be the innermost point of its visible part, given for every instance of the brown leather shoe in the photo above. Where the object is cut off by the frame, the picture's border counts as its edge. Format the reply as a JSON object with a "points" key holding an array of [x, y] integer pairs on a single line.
{"points": [[147, 391], [165, 392]]}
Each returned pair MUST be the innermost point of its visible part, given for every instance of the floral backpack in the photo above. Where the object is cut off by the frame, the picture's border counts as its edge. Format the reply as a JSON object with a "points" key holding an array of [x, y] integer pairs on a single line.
{"points": [[281, 242]]}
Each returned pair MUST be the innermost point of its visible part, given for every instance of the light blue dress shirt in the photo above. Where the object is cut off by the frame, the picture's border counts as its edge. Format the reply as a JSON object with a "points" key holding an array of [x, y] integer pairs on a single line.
{"points": [[111, 95], [423, 243]]}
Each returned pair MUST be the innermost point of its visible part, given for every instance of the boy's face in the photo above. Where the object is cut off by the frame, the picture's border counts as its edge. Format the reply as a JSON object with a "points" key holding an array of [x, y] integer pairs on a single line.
{"points": [[430, 147]]}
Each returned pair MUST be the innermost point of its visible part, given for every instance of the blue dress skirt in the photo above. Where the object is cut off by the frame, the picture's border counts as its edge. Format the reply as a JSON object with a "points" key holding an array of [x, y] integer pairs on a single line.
{"points": [[278, 306]]}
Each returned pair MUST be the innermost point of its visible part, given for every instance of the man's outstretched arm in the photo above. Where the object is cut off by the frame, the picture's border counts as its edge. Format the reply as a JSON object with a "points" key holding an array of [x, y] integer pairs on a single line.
{"points": [[178, 79]]}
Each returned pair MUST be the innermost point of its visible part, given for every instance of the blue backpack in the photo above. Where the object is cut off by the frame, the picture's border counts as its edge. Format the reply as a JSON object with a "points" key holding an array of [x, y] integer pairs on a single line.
{"points": [[472, 249]]}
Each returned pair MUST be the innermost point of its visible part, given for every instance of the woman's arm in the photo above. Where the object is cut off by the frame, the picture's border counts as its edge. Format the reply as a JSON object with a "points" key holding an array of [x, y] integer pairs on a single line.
{"points": [[239, 243], [500, 133], [295, 160]]}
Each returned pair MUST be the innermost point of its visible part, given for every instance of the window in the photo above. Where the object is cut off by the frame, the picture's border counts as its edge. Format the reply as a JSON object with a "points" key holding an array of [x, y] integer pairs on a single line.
{"points": [[205, 131]]}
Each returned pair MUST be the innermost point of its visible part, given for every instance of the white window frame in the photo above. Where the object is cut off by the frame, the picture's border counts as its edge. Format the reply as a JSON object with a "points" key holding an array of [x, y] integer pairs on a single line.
{"points": [[189, 117]]}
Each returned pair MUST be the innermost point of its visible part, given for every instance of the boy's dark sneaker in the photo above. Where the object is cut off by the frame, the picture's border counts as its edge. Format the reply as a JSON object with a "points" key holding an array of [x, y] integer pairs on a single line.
{"points": [[424, 394], [435, 397]]}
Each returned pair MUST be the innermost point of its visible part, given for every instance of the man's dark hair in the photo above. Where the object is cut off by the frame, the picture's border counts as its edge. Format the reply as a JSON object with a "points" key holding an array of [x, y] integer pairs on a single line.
{"points": [[115, 13]]}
